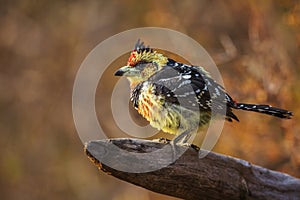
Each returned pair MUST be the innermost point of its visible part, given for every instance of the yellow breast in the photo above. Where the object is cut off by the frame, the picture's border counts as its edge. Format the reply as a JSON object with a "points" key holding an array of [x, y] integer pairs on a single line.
{"points": [[152, 108]]}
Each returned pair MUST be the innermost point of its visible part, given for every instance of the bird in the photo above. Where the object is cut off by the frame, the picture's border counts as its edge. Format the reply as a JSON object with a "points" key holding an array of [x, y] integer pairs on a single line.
{"points": [[179, 98]]}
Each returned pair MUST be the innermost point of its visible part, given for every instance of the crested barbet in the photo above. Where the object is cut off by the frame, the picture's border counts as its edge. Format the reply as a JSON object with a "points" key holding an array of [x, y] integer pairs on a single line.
{"points": [[178, 98]]}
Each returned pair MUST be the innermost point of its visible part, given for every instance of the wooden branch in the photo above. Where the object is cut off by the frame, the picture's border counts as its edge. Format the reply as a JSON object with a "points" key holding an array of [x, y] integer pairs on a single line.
{"points": [[215, 176]]}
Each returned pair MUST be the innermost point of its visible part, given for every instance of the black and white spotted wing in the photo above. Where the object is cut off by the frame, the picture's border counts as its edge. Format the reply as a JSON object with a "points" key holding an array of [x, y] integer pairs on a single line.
{"points": [[192, 88]]}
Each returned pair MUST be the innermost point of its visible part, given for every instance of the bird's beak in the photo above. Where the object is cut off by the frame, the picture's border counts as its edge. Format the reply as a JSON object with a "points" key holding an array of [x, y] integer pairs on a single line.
{"points": [[120, 72], [127, 71]]}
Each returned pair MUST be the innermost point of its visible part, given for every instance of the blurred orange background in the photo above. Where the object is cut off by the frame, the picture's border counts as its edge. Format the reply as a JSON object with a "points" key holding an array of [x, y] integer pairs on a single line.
{"points": [[42, 44]]}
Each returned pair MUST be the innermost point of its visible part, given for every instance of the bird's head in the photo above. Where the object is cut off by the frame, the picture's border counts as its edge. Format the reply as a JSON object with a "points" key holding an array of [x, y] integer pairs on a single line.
{"points": [[143, 62]]}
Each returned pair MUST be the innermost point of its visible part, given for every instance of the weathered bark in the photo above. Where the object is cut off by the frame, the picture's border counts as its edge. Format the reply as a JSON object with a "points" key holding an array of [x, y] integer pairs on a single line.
{"points": [[215, 176]]}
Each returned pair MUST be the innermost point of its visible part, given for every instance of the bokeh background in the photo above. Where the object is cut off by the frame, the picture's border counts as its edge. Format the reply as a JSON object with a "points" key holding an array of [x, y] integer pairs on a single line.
{"points": [[42, 44]]}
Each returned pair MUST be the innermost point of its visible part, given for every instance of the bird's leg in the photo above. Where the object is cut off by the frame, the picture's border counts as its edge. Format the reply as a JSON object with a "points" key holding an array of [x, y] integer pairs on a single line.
{"points": [[181, 140]]}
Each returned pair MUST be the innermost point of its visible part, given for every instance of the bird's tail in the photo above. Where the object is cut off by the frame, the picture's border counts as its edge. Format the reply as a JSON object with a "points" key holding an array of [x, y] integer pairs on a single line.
{"points": [[266, 109]]}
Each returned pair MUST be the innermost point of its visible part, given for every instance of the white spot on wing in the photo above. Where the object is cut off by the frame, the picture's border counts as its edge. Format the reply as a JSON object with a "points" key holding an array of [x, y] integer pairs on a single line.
{"points": [[217, 91], [187, 76]]}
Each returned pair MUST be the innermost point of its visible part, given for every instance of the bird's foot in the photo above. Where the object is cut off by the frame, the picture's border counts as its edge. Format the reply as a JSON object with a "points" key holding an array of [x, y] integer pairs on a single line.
{"points": [[178, 149]]}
